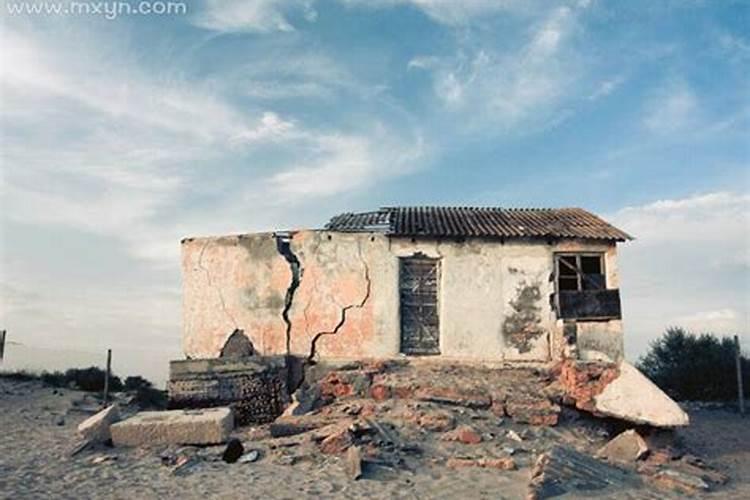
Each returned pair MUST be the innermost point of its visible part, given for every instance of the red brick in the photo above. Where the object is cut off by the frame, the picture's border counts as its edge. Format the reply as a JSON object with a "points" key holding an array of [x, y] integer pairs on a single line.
{"points": [[463, 434], [380, 392]]}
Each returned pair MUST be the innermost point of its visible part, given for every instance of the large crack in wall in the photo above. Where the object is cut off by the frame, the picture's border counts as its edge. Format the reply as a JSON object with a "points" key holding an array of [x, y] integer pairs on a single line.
{"points": [[283, 245], [345, 309]]}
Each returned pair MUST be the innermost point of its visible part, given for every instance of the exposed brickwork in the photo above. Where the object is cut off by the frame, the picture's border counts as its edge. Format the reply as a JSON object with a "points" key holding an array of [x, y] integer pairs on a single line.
{"points": [[581, 382], [258, 393]]}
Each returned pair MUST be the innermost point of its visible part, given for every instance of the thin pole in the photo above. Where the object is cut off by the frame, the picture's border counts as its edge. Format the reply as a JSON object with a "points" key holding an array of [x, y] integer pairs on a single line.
{"points": [[2, 344], [738, 360], [106, 377]]}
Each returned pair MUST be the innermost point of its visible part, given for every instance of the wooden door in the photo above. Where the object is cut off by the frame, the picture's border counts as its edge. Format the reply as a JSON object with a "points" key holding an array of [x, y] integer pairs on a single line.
{"points": [[419, 283]]}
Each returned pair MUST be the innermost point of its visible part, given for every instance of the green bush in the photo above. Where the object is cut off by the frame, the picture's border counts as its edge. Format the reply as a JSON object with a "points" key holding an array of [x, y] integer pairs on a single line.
{"points": [[692, 367], [54, 379], [137, 382], [19, 375], [92, 379]]}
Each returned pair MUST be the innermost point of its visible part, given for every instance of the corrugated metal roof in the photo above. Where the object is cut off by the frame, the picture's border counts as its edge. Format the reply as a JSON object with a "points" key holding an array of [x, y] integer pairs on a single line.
{"points": [[480, 222]]}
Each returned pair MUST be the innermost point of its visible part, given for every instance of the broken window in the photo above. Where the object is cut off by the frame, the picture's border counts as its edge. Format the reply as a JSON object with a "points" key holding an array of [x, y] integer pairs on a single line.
{"points": [[581, 288], [578, 272]]}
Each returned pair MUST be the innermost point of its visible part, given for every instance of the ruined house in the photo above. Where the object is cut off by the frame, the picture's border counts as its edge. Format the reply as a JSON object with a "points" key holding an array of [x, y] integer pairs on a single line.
{"points": [[463, 283]]}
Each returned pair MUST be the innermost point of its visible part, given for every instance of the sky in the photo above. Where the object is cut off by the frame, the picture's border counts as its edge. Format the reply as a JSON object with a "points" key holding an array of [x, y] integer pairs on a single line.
{"points": [[122, 134]]}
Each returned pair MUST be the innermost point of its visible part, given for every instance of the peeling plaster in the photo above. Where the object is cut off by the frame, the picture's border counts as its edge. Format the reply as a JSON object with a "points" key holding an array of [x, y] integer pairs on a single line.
{"points": [[523, 324]]}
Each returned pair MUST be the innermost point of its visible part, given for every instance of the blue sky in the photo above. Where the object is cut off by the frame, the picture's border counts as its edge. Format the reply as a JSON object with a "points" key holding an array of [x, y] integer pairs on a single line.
{"points": [[120, 136]]}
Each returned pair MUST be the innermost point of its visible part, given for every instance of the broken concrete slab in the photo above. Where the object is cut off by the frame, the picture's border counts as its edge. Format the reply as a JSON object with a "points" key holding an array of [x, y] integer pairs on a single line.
{"points": [[633, 397], [96, 428], [626, 447], [679, 482], [205, 426], [564, 470]]}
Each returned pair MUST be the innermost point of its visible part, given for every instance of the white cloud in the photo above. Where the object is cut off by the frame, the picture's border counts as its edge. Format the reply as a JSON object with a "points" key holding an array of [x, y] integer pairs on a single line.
{"points": [[130, 154], [452, 12], [522, 88], [342, 163], [674, 108], [689, 266], [720, 321], [257, 15], [606, 87]]}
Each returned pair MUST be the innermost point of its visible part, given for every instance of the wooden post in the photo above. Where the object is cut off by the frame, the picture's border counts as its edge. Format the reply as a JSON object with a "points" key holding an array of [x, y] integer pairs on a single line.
{"points": [[738, 360], [2, 344], [106, 377]]}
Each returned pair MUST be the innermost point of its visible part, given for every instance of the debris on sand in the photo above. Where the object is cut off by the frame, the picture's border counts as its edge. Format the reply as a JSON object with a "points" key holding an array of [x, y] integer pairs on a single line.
{"points": [[206, 426], [564, 470], [96, 428], [354, 463], [626, 447], [233, 451]]}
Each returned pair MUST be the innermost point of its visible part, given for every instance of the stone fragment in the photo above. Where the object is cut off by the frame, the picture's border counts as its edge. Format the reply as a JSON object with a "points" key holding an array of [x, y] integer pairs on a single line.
{"points": [[514, 436], [233, 451], [249, 457], [96, 428], [564, 470], [450, 396], [679, 482], [304, 400], [354, 463], [626, 447], [337, 443], [206, 426], [463, 434], [436, 422]]}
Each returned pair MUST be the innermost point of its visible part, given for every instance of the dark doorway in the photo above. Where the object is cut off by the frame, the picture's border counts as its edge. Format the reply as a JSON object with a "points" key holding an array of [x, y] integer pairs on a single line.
{"points": [[419, 280]]}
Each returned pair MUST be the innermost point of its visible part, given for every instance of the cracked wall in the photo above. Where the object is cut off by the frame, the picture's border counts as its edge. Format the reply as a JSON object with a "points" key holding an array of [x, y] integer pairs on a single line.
{"points": [[346, 301], [233, 283]]}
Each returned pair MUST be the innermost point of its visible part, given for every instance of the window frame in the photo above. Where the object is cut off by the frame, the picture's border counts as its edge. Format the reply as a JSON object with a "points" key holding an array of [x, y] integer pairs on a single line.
{"points": [[579, 268]]}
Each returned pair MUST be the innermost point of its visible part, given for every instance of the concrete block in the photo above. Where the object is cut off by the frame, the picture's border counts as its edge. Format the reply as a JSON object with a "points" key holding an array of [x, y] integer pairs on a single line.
{"points": [[627, 446], [633, 397], [96, 428], [204, 426]]}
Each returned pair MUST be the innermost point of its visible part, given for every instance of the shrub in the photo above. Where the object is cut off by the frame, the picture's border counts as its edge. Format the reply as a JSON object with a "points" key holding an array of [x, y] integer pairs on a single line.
{"points": [[694, 367], [137, 382], [54, 379], [92, 379], [19, 375]]}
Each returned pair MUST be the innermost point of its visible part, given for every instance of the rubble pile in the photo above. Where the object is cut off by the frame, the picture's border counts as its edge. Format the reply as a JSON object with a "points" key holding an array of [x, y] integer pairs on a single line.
{"points": [[375, 417]]}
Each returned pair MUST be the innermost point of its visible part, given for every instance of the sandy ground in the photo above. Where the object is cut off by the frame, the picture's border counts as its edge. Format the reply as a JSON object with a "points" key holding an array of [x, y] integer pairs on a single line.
{"points": [[37, 432]]}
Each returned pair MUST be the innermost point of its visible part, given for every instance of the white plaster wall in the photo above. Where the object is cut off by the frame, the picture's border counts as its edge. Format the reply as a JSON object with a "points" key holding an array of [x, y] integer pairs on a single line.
{"points": [[480, 280]]}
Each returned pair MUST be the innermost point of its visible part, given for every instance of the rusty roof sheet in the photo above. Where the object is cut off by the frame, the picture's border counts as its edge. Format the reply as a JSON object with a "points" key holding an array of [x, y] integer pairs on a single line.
{"points": [[480, 222]]}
